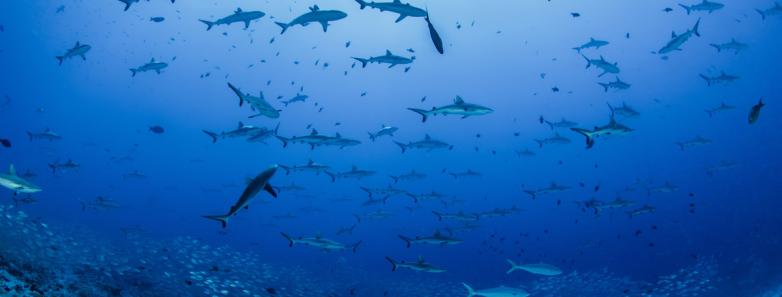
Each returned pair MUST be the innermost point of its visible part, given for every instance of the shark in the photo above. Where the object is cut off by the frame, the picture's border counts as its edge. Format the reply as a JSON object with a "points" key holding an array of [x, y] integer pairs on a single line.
{"points": [[562, 123], [468, 173], [732, 45], [314, 139], [418, 265], [387, 58], [501, 291], [459, 107], [310, 166], [705, 5], [428, 144], [754, 113], [618, 84], [538, 268], [293, 187], [387, 191], [612, 128], [403, 9], [602, 64], [459, 216], [315, 15], [257, 104], [598, 206], [297, 98], [426, 196], [555, 139], [135, 174], [326, 245], [242, 130], [17, 184], [100, 203], [68, 165], [239, 16], [525, 152], [720, 79], [78, 50], [374, 202], [697, 141], [592, 43], [642, 210], [384, 131], [667, 187], [260, 182], [353, 173], [772, 11], [152, 65], [677, 41], [624, 110], [412, 175], [552, 188], [435, 239], [45, 135]]}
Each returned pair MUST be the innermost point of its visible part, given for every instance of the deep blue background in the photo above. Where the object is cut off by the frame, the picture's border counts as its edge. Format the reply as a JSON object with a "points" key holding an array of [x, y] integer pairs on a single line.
{"points": [[102, 112]]}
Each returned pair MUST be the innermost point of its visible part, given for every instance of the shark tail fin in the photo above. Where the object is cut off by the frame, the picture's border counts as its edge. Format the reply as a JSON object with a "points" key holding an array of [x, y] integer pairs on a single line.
{"points": [[513, 266], [589, 63], [53, 167], [393, 263], [695, 28], [716, 46], [439, 215], [284, 27], [531, 193], [127, 5], [540, 142], [424, 114], [406, 239], [133, 71], [60, 59], [332, 175], [211, 134], [208, 24], [604, 85], [681, 145], [284, 141], [286, 168], [362, 3], [708, 80], [223, 219], [470, 291], [710, 113], [363, 61], [30, 134], [762, 14], [590, 141], [687, 8], [395, 178], [289, 238], [371, 136], [354, 247], [402, 146], [369, 192]]}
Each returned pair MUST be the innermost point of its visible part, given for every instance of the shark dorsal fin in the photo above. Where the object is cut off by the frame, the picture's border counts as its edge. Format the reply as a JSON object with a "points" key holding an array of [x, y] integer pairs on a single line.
{"points": [[353, 168], [314, 8], [427, 137], [591, 39], [238, 10], [601, 58], [553, 185], [152, 60], [420, 259], [11, 170], [397, 1], [556, 135], [241, 124], [338, 135], [673, 34], [310, 162], [388, 53], [314, 132], [77, 44], [458, 100]]}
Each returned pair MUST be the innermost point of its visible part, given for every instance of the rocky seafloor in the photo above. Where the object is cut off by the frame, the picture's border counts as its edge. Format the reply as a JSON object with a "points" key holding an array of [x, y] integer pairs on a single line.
{"points": [[39, 260]]}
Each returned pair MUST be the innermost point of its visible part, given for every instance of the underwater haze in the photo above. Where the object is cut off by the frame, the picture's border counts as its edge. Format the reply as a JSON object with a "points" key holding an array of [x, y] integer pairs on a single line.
{"points": [[355, 148]]}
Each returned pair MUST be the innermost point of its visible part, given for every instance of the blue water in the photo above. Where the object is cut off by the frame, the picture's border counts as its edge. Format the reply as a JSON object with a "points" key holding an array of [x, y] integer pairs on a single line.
{"points": [[514, 57]]}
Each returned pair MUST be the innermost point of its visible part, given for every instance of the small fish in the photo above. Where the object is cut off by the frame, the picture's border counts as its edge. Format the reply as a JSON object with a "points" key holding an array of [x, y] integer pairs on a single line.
{"points": [[157, 129], [755, 112], [575, 14], [157, 19], [5, 142]]}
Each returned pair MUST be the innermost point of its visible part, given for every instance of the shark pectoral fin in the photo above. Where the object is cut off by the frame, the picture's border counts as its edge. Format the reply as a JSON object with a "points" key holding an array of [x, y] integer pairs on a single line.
{"points": [[392, 65], [246, 24], [83, 57], [268, 188], [325, 25], [400, 18]]}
